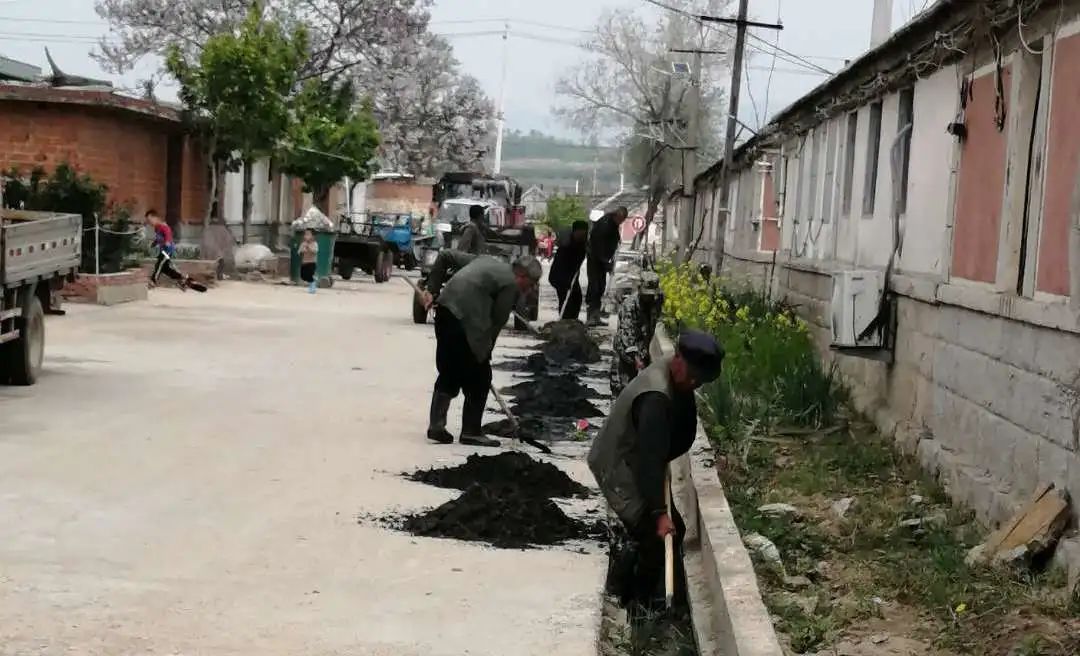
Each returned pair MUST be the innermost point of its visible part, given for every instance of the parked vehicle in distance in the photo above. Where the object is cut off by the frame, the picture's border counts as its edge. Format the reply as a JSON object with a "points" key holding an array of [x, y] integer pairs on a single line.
{"points": [[399, 232], [39, 251]]}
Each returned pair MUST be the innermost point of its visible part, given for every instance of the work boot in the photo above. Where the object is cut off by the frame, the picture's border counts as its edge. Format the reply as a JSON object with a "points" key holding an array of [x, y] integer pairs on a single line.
{"points": [[440, 406], [594, 318], [472, 418]]}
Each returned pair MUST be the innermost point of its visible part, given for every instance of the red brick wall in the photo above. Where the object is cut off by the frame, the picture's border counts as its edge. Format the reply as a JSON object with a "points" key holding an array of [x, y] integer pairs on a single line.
{"points": [[196, 183], [981, 186], [1062, 161], [117, 148], [390, 190]]}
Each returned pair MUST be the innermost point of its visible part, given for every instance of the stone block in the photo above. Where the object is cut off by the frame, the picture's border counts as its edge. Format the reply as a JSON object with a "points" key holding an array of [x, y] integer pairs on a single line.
{"points": [[1054, 464], [997, 441], [1019, 344], [108, 288], [1025, 464], [979, 332], [1057, 356], [974, 488], [1037, 404], [1003, 507], [1072, 483], [125, 293], [1067, 557], [929, 453]]}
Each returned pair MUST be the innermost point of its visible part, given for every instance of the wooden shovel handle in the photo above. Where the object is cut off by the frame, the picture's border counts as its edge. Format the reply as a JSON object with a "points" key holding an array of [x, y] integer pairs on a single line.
{"points": [[669, 548]]}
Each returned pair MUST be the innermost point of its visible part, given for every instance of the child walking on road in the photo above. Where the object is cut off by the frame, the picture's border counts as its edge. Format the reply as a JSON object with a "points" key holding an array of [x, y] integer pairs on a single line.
{"points": [[163, 239], [309, 255]]}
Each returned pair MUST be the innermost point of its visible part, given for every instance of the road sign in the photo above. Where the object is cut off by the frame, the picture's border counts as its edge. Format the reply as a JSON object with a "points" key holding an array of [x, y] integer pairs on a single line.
{"points": [[638, 224]]}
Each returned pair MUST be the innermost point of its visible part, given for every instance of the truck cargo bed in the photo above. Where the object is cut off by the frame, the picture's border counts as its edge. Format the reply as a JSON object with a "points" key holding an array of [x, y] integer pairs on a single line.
{"points": [[38, 245]]}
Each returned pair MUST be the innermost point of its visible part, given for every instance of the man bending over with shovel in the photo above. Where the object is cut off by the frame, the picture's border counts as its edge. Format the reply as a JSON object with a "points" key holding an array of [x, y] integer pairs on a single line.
{"points": [[651, 423], [470, 311]]}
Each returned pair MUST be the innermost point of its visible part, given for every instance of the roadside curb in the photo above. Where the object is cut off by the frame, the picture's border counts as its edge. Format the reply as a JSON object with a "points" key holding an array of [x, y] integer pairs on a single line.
{"points": [[729, 616]]}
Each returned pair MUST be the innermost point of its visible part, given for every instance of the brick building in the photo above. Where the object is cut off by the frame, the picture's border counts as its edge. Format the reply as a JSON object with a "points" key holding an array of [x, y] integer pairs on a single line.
{"points": [[136, 147]]}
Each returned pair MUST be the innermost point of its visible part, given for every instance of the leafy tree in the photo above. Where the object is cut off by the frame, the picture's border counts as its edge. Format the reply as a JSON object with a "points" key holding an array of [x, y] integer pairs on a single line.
{"points": [[432, 117], [329, 138], [237, 93], [626, 87], [66, 190], [562, 211]]}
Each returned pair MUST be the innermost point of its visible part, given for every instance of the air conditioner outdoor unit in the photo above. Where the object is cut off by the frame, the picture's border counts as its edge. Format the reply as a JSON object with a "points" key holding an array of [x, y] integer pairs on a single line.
{"points": [[856, 300]]}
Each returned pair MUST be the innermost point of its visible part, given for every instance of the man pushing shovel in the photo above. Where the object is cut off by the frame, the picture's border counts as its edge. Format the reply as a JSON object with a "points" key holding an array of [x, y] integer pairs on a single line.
{"points": [[652, 422], [470, 311]]}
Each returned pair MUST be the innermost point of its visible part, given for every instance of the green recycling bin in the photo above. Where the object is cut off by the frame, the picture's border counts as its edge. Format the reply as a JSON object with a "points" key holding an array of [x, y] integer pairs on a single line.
{"points": [[324, 264]]}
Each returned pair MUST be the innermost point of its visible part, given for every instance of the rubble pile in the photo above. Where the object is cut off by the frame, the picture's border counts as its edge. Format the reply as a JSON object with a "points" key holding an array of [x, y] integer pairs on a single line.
{"points": [[536, 478], [505, 516], [506, 503], [569, 341]]}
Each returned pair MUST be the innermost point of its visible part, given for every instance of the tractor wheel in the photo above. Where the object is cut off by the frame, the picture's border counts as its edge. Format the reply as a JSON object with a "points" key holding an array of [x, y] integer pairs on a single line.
{"points": [[380, 266], [388, 265], [345, 270]]}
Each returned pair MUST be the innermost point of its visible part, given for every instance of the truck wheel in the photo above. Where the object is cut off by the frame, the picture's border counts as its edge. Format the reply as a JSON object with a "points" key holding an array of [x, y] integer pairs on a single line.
{"points": [[23, 356], [345, 271], [419, 312]]}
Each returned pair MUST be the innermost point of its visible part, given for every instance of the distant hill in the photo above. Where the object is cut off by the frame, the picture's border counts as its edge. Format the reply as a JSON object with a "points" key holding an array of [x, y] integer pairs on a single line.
{"points": [[534, 158]]}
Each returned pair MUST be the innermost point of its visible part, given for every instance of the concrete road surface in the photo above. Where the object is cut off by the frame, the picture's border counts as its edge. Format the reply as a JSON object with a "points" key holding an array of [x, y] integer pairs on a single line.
{"points": [[187, 476]]}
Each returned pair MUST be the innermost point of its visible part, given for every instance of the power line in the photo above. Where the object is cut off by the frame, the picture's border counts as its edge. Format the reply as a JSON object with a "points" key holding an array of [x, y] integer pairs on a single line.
{"points": [[20, 19], [777, 48], [789, 60], [772, 66], [512, 21], [753, 101], [787, 71]]}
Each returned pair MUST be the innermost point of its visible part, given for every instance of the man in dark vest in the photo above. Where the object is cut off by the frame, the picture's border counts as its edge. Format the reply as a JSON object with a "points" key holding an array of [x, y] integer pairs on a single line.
{"points": [[651, 423], [471, 310], [566, 267], [603, 244]]}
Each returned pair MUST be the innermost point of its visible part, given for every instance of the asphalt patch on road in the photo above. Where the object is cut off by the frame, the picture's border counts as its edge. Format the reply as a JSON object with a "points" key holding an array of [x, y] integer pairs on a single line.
{"points": [[556, 407], [532, 364], [567, 385], [504, 516], [532, 477]]}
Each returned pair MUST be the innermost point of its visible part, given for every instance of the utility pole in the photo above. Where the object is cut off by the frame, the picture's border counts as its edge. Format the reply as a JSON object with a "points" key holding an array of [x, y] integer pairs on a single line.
{"points": [[741, 23], [502, 103]]}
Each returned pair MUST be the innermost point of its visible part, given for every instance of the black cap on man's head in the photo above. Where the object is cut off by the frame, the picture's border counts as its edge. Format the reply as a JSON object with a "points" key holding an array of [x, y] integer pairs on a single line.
{"points": [[703, 354], [476, 212]]}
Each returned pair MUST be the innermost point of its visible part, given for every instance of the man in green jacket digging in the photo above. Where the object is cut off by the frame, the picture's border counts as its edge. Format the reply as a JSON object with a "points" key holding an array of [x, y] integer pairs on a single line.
{"points": [[470, 311], [652, 422]]}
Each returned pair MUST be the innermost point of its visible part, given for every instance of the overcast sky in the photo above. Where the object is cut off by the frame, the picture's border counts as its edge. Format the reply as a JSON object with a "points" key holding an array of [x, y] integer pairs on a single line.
{"points": [[824, 31]]}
